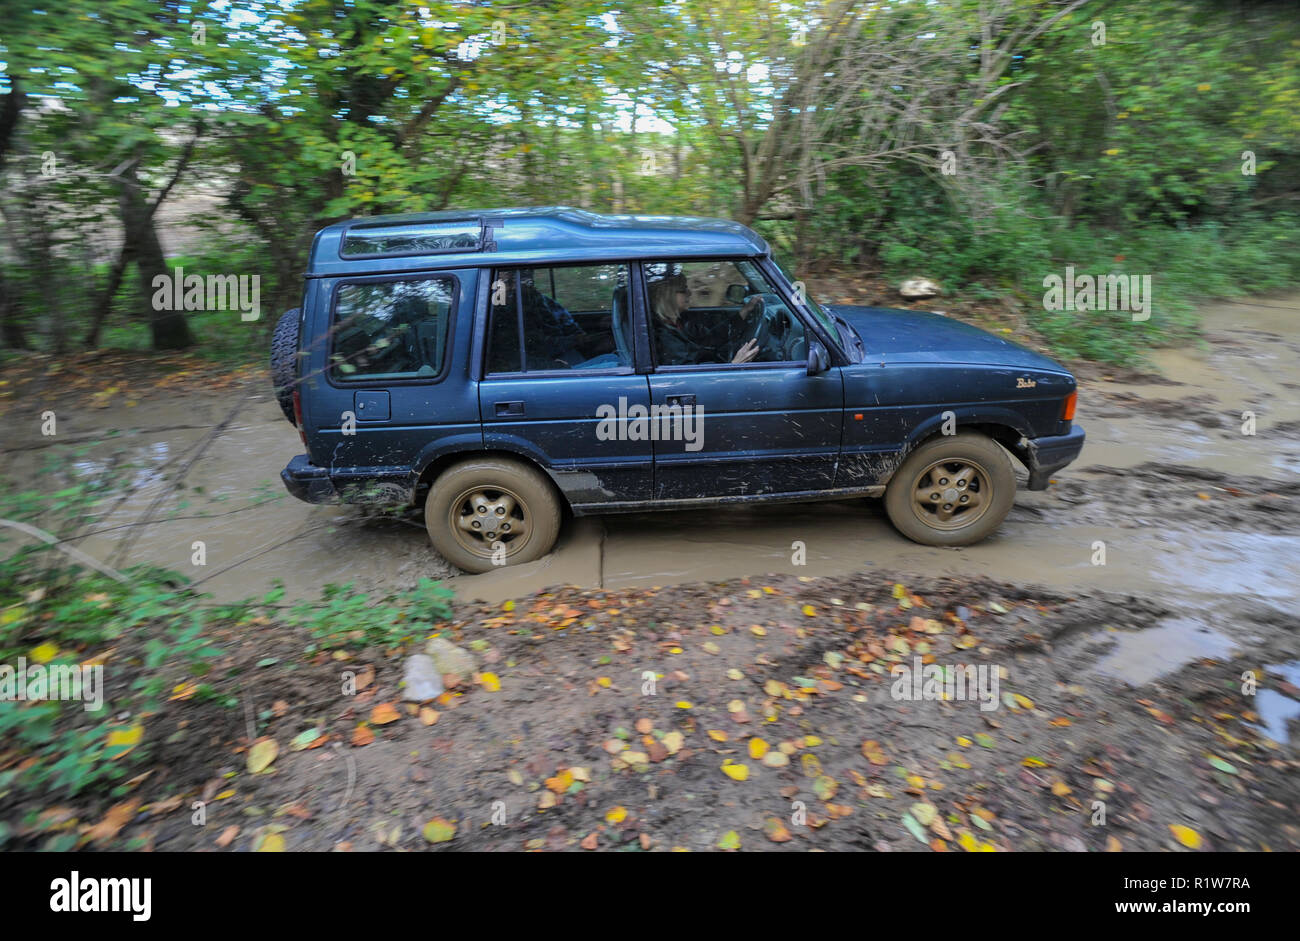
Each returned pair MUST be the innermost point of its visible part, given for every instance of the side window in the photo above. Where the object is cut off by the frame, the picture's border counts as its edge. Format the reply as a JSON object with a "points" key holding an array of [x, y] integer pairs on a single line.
{"points": [[717, 312], [391, 329], [559, 318]]}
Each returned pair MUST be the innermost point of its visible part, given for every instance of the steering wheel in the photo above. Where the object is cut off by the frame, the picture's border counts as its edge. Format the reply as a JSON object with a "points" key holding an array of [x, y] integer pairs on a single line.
{"points": [[767, 319]]}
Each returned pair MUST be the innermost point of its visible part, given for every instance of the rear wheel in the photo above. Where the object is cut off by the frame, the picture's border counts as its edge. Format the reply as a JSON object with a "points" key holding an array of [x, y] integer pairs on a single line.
{"points": [[487, 512], [952, 491], [284, 359]]}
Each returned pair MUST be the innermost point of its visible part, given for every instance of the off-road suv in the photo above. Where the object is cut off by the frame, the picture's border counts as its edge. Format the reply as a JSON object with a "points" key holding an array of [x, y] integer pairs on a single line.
{"points": [[505, 367]]}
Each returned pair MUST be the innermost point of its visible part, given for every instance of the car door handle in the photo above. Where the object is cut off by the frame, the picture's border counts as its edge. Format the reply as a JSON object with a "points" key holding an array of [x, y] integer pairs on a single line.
{"points": [[686, 400], [509, 409]]}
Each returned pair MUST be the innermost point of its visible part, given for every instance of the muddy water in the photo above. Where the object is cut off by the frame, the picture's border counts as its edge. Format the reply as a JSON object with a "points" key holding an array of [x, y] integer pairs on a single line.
{"points": [[1171, 535]]}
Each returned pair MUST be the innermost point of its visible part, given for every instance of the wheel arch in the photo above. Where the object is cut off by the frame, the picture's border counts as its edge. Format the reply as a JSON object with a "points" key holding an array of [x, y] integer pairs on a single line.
{"points": [[440, 461], [1002, 425]]}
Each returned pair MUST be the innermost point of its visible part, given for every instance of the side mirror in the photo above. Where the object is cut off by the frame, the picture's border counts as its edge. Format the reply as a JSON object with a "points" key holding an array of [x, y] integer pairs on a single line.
{"points": [[818, 359], [737, 294]]}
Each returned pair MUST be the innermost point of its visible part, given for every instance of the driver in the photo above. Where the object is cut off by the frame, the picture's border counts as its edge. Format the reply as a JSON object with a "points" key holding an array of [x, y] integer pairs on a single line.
{"points": [[678, 339]]}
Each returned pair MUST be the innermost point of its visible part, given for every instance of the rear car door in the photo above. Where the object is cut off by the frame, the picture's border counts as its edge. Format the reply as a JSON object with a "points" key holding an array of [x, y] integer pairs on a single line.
{"points": [[381, 377], [558, 362], [765, 426]]}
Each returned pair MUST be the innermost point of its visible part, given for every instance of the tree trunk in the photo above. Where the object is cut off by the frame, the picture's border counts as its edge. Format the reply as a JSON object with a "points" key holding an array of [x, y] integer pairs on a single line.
{"points": [[169, 328], [11, 329], [105, 305]]}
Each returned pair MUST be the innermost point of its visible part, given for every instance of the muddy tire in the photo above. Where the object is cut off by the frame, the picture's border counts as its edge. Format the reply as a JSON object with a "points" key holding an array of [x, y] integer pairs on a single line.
{"points": [[954, 490], [284, 360], [492, 509]]}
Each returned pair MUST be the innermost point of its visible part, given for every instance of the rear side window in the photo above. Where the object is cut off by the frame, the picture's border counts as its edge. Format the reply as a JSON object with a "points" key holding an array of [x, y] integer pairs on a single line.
{"points": [[391, 329], [572, 317]]}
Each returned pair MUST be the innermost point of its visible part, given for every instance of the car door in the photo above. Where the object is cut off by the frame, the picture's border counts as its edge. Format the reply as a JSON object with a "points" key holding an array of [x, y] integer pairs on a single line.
{"points": [[556, 370], [762, 427], [380, 373]]}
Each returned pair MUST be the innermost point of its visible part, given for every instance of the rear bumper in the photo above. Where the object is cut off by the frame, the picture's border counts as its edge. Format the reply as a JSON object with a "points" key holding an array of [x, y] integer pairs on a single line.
{"points": [[382, 486], [308, 482], [1045, 456]]}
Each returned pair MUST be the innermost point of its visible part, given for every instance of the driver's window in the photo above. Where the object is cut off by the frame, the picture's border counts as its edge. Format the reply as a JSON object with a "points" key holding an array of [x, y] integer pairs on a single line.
{"points": [[719, 312]]}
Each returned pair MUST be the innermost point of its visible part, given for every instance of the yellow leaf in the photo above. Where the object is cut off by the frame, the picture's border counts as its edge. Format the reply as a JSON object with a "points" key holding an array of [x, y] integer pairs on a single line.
{"points": [[126, 738], [271, 843], [492, 683], [617, 815], [45, 652], [560, 783], [439, 830], [809, 610], [737, 771], [757, 748], [261, 755], [717, 735], [1186, 836]]}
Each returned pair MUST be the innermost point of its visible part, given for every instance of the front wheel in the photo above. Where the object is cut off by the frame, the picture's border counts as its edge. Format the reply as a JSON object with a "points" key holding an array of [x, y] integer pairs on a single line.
{"points": [[953, 490], [488, 512]]}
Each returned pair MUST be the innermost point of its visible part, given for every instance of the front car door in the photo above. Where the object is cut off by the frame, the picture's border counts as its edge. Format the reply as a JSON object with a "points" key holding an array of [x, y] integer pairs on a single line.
{"points": [[760, 425], [558, 363]]}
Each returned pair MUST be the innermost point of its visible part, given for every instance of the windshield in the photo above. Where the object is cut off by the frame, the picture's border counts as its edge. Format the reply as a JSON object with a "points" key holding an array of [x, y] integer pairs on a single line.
{"points": [[827, 321]]}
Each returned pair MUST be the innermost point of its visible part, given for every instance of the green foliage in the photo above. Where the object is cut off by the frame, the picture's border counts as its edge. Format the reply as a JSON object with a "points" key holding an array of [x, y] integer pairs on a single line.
{"points": [[305, 113], [345, 616], [157, 634]]}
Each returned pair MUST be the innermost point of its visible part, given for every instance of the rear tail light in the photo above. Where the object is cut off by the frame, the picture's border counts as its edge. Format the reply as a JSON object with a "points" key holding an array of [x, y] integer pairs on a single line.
{"points": [[297, 415], [1067, 411]]}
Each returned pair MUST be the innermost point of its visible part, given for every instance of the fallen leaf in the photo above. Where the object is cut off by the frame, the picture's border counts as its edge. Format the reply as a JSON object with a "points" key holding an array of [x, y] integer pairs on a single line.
{"points": [[775, 830], [1186, 836], [118, 816], [439, 830], [261, 755]]}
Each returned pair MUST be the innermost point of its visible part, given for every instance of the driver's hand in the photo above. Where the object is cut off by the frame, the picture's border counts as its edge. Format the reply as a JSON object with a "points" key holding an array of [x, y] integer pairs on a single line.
{"points": [[745, 353], [753, 304]]}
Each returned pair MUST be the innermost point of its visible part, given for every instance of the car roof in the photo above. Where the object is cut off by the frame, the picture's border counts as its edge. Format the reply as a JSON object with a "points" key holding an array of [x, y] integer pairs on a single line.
{"points": [[548, 235]]}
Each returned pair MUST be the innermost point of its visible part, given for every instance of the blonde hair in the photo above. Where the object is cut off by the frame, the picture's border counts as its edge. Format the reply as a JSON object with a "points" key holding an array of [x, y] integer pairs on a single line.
{"points": [[663, 300]]}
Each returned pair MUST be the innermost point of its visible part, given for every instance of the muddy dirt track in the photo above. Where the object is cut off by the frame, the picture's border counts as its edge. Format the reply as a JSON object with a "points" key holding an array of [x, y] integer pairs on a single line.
{"points": [[1196, 517], [1187, 505]]}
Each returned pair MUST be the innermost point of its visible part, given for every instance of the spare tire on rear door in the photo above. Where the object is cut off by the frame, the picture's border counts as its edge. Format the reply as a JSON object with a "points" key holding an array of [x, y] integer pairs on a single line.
{"points": [[284, 360]]}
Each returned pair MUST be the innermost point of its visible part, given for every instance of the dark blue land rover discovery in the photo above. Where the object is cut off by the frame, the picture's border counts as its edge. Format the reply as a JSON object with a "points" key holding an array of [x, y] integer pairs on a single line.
{"points": [[502, 366]]}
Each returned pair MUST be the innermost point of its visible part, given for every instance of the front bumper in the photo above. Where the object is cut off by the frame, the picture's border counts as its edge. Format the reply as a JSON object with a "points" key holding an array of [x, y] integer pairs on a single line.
{"points": [[1045, 456]]}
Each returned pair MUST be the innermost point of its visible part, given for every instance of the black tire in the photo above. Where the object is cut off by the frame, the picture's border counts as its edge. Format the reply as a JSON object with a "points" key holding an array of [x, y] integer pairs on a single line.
{"points": [[453, 496], [284, 360], [951, 520]]}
